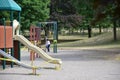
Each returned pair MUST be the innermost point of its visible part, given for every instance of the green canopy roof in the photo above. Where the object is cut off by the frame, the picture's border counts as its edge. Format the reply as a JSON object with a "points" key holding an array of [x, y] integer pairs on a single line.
{"points": [[9, 5]]}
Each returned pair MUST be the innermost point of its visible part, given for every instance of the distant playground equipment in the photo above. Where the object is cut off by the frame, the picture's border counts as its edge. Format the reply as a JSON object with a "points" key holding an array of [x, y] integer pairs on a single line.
{"points": [[10, 38], [35, 38], [55, 32]]}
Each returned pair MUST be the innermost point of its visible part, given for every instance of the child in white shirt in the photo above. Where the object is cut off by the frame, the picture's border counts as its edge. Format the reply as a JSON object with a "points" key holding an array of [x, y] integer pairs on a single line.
{"points": [[48, 45]]}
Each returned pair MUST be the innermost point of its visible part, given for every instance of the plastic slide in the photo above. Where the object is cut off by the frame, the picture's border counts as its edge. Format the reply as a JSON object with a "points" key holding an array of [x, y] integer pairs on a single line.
{"points": [[12, 59], [38, 50]]}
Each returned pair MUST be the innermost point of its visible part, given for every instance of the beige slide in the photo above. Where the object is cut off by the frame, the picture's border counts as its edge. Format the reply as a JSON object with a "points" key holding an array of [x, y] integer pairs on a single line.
{"points": [[38, 50]]}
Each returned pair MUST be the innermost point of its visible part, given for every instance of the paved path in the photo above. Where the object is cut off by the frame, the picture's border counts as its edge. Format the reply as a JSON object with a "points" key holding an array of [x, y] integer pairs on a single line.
{"points": [[77, 65]]}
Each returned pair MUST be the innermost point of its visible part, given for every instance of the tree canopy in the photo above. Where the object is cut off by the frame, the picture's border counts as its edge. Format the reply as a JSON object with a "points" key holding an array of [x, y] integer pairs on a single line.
{"points": [[65, 13], [33, 11], [106, 8]]}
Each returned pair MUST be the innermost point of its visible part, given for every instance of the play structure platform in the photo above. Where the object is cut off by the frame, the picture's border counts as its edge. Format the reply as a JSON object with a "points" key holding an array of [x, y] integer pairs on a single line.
{"points": [[6, 37]]}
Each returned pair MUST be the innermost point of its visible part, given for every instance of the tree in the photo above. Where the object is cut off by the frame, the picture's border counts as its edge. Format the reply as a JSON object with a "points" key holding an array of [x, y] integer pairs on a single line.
{"points": [[33, 11], [84, 8], [65, 13], [106, 8]]}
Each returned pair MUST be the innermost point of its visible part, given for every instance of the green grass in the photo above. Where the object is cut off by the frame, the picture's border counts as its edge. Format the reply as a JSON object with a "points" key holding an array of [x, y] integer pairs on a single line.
{"points": [[102, 41]]}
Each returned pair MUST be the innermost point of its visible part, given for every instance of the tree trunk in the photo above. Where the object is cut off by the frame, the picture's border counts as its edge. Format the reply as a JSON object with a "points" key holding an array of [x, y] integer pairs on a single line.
{"points": [[114, 30], [100, 31], [89, 31]]}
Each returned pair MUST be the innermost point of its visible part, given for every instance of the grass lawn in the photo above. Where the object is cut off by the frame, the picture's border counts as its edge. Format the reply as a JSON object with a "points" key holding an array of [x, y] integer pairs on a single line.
{"points": [[101, 41]]}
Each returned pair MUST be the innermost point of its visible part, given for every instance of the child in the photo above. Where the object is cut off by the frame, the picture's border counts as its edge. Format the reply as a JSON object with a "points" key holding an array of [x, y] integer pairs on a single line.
{"points": [[48, 45]]}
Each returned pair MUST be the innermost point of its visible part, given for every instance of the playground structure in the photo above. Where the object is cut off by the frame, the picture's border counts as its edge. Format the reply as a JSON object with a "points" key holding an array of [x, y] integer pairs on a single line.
{"points": [[35, 35], [11, 6], [35, 38], [7, 42], [55, 33]]}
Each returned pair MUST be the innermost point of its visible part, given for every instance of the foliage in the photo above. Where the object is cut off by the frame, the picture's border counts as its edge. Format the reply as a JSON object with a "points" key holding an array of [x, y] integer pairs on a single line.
{"points": [[33, 11], [4, 14], [104, 8], [84, 8], [65, 13]]}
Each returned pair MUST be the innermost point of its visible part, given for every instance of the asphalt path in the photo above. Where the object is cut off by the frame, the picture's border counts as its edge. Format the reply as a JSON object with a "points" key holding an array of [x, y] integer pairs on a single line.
{"points": [[100, 64]]}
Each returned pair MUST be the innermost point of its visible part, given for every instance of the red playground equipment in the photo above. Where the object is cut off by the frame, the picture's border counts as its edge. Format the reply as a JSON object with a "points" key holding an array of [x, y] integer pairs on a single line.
{"points": [[6, 37], [6, 32], [35, 38], [6, 42]]}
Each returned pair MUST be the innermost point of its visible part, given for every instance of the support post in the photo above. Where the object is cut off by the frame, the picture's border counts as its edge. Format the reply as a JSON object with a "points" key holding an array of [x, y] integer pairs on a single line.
{"points": [[4, 62], [19, 44], [55, 38], [12, 49]]}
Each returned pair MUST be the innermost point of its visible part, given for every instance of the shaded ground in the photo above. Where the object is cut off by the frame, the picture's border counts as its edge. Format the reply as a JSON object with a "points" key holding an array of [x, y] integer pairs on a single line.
{"points": [[83, 64], [100, 40]]}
